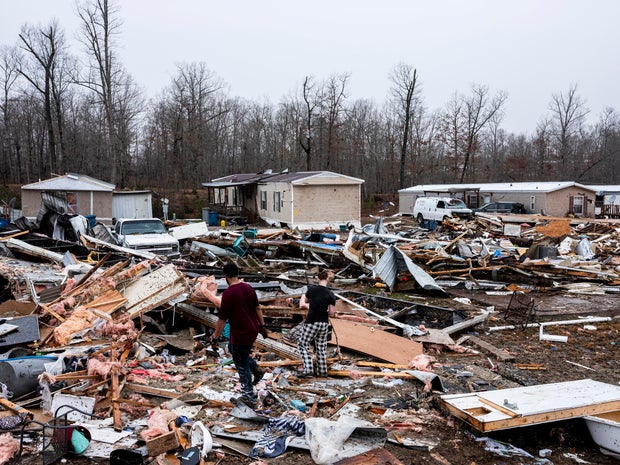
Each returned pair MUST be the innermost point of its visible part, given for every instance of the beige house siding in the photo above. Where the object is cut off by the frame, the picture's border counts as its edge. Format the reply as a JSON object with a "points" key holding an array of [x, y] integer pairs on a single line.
{"points": [[310, 205], [559, 202], [338, 204], [275, 214]]}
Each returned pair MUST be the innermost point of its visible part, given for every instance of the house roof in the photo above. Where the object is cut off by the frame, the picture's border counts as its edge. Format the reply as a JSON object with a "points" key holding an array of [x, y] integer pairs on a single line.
{"points": [[300, 177], [547, 186], [602, 189], [71, 182]]}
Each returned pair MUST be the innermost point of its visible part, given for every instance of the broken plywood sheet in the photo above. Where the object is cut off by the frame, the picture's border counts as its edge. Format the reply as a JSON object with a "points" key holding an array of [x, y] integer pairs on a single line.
{"points": [[510, 408], [154, 289], [372, 341]]}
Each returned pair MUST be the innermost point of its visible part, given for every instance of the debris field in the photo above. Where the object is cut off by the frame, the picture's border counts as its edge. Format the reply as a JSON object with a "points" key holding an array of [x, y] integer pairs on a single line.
{"points": [[482, 341]]}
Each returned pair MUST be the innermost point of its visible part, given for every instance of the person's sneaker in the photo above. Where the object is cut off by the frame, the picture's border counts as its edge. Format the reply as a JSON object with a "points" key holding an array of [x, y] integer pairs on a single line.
{"points": [[302, 374], [244, 400], [258, 375]]}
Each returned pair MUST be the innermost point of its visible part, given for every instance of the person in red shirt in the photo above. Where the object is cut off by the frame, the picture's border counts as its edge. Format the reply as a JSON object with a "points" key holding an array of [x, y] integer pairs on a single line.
{"points": [[240, 307]]}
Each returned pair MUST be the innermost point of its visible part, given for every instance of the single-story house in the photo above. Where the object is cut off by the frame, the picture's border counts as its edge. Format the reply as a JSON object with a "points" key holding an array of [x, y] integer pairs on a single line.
{"points": [[70, 194], [550, 198], [607, 203], [308, 199]]}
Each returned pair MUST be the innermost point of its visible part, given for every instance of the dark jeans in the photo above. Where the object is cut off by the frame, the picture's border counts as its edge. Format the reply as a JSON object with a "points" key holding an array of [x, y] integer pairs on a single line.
{"points": [[245, 365]]}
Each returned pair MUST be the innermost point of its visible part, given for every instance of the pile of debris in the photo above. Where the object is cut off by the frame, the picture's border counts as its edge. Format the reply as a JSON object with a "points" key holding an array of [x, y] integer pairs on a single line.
{"points": [[107, 352]]}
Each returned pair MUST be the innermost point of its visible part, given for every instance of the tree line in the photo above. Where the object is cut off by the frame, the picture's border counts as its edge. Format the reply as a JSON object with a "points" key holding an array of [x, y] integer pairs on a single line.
{"points": [[63, 114]]}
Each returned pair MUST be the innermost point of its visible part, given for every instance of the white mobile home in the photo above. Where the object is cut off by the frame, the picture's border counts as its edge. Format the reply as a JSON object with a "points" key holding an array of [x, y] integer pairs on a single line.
{"points": [[308, 199], [550, 198]]}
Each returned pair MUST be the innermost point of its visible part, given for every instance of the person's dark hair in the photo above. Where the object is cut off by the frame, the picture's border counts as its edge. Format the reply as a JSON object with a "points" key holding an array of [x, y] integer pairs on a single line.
{"points": [[231, 270], [323, 274]]}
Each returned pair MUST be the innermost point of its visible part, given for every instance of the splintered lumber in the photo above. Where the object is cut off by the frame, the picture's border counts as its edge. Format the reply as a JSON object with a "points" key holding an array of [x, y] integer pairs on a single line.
{"points": [[370, 374], [455, 328], [529, 405], [168, 393], [500, 354], [370, 340], [154, 289]]}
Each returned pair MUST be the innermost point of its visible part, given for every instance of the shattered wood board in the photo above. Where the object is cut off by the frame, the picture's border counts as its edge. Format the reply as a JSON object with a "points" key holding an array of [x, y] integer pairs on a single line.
{"points": [[369, 340], [435, 336], [159, 298], [153, 283], [510, 408], [108, 301]]}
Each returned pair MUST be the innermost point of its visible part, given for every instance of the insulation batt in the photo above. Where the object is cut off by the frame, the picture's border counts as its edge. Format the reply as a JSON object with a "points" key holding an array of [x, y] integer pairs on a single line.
{"points": [[8, 447], [422, 362], [100, 367], [157, 424], [80, 319]]}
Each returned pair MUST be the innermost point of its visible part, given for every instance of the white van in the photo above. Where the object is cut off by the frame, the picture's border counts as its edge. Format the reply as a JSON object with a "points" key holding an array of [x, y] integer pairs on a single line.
{"points": [[439, 209]]}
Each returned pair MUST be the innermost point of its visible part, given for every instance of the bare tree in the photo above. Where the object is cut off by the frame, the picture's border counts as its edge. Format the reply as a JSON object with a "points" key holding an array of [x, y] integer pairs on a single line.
{"points": [[568, 114], [405, 93], [44, 71], [463, 121], [334, 95], [9, 73], [107, 78], [311, 104]]}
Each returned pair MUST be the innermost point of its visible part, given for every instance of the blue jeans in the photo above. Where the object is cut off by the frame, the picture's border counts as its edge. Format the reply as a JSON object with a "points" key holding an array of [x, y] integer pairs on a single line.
{"points": [[245, 366]]}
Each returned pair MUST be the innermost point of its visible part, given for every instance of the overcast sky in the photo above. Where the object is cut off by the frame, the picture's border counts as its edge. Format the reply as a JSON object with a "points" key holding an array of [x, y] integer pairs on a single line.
{"points": [[263, 49]]}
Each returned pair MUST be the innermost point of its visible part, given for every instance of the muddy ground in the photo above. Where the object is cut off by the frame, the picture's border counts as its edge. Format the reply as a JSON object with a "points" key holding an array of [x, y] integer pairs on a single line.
{"points": [[588, 353]]}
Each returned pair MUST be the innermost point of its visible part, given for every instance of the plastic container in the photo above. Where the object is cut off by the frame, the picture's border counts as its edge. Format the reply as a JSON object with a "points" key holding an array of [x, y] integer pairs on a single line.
{"points": [[213, 218], [250, 233], [92, 219]]}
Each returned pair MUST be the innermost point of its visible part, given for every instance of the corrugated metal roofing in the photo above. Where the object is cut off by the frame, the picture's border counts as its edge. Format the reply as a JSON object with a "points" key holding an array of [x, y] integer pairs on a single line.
{"points": [[71, 182], [547, 186]]}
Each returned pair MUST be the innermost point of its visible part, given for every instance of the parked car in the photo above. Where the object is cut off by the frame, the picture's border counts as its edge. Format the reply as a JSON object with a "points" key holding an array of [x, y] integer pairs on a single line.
{"points": [[147, 234], [439, 208], [502, 207]]}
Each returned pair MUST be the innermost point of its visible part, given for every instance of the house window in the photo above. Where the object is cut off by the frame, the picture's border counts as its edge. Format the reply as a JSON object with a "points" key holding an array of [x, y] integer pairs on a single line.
{"points": [[72, 203], [578, 205], [533, 202], [263, 200], [276, 201]]}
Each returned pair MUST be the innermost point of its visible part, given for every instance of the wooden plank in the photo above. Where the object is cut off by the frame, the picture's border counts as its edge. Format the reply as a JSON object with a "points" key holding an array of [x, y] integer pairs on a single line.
{"points": [[162, 444], [168, 393], [533, 404], [500, 354], [372, 341]]}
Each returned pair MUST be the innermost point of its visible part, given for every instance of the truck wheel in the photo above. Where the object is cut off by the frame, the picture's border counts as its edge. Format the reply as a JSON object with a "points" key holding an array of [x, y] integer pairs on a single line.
{"points": [[420, 218]]}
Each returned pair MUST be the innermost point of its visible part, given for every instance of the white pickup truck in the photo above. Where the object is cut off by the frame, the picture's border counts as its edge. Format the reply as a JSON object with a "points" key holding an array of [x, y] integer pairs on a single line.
{"points": [[147, 234]]}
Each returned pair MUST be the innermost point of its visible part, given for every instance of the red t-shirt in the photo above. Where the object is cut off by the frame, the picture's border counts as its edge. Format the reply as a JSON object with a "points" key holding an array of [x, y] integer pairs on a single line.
{"points": [[239, 304]]}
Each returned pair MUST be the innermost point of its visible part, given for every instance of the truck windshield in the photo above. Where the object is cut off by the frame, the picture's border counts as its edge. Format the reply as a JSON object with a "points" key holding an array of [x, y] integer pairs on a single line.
{"points": [[455, 203], [143, 227]]}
